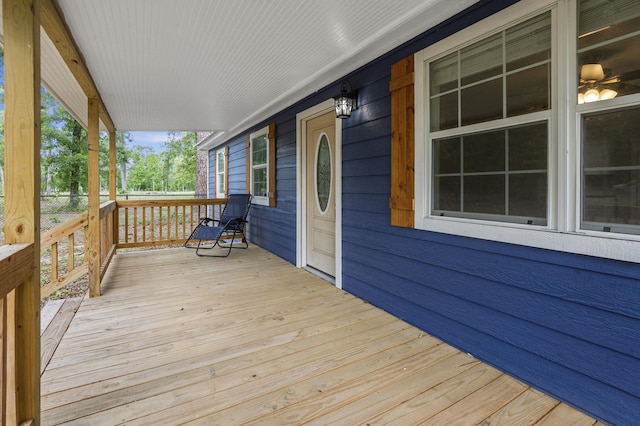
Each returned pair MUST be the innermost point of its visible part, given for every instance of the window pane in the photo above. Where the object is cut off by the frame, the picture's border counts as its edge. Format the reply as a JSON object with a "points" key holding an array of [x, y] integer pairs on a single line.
{"points": [[611, 139], [259, 150], [487, 179], [220, 184], [528, 195], [447, 193], [529, 43], [612, 197], [528, 91], [484, 194], [528, 147], [323, 174], [620, 64], [220, 165], [446, 156], [484, 152], [443, 74], [482, 102], [611, 167], [481, 60], [608, 62], [260, 182], [602, 20], [444, 112]]}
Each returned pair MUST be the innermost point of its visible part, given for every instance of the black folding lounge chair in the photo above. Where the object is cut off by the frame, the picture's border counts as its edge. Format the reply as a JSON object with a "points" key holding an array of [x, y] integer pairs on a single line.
{"points": [[214, 232]]}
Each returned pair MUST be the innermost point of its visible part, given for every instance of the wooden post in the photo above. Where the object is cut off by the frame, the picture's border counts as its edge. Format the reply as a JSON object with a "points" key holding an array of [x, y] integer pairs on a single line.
{"points": [[21, 38], [113, 167], [113, 189], [92, 243]]}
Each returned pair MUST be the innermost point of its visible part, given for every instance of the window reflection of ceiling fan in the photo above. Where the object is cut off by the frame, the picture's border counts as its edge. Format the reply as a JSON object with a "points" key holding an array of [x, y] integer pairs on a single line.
{"points": [[593, 84], [596, 86]]}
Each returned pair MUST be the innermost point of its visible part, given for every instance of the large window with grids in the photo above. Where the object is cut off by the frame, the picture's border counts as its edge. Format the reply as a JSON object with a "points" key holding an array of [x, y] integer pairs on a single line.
{"points": [[528, 128], [608, 87], [489, 106]]}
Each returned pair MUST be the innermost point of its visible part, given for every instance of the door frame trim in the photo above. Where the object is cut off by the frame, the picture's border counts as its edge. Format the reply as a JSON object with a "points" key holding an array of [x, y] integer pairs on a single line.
{"points": [[301, 196]]}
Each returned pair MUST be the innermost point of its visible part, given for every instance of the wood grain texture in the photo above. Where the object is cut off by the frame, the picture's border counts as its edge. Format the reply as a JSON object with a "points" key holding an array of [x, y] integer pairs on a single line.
{"points": [[401, 87], [175, 338], [16, 265], [21, 307], [53, 333]]}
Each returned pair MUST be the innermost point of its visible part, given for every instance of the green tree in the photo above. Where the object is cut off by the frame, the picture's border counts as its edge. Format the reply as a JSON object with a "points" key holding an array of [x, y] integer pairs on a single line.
{"points": [[64, 150], [146, 172], [179, 162], [123, 158]]}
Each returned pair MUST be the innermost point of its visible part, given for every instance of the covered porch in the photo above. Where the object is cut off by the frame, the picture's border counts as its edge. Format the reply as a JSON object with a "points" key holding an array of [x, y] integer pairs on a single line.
{"points": [[175, 338]]}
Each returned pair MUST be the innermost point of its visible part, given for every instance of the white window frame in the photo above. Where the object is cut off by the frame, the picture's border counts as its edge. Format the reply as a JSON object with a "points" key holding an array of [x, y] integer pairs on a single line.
{"points": [[562, 231], [260, 200], [221, 175]]}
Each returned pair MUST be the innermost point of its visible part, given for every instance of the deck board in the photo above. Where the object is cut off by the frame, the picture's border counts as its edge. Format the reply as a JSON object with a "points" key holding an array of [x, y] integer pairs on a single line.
{"points": [[56, 318], [251, 339]]}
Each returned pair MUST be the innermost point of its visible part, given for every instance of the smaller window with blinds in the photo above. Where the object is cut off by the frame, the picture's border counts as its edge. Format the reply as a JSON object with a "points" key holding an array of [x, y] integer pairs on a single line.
{"points": [[489, 108], [260, 163], [221, 171]]}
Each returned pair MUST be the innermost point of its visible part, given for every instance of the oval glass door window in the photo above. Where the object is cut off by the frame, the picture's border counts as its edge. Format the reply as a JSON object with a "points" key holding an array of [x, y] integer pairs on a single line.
{"points": [[323, 173]]}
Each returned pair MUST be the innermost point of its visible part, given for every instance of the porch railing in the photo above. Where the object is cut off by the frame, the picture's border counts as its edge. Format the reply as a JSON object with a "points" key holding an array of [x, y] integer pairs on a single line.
{"points": [[123, 224], [64, 246], [16, 267], [147, 223]]}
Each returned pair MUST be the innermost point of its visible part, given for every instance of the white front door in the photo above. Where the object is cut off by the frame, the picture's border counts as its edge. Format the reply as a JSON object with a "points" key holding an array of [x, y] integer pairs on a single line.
{"points": [[321, 193]]}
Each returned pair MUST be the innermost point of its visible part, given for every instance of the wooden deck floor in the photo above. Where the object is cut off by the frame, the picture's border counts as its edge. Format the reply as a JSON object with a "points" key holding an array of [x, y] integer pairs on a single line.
{"points": [[251, 339]]}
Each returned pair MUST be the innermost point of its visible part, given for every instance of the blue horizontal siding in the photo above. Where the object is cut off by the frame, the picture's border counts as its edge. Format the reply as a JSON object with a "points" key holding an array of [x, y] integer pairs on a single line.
{"points": [[272, 228], [566, 324]]}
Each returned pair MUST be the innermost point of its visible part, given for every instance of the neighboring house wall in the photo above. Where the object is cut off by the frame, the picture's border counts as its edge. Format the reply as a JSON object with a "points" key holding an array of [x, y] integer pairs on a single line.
{"points": [[564, 323], [202, 179]]}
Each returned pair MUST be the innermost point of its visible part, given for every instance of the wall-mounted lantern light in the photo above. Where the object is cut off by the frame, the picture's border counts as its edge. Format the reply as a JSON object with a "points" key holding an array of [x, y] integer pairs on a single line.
{"points": [[346, 101]]}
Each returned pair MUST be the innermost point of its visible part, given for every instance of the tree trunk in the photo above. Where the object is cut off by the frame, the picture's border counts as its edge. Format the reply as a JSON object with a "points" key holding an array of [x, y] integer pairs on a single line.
{"points": [[123, 176], [74, 175]]}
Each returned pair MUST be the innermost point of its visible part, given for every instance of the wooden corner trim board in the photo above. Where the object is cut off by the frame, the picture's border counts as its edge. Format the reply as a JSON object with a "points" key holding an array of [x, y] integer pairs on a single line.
{"points": [[272, 165], [247, 155]]}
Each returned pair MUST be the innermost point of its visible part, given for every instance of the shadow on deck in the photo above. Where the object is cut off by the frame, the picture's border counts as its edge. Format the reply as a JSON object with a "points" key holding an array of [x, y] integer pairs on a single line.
{"points": [[252, 339]]}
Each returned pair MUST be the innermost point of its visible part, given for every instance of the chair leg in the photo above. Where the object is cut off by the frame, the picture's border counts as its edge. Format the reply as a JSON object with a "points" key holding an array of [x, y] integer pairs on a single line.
{"points": [[217, 243]]}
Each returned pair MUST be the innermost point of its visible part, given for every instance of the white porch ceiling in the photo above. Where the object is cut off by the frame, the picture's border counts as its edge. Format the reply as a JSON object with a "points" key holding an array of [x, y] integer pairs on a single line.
{"points": [[223, 65]]}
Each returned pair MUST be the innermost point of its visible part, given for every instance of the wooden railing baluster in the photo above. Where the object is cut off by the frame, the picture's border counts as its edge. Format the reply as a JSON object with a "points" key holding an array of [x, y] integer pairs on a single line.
{"points": [[144, 224], [54, 261], [170, 221], [71, 255], [135, 224]]}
